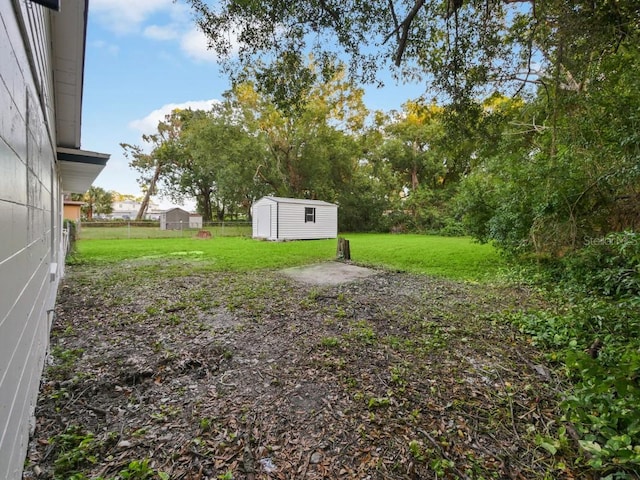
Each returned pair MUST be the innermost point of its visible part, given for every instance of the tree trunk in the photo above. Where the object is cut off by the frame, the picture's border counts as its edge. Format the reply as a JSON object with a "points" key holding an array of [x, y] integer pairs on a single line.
{"points": [[414, 178], [151, 189], [205, 205], [221, 212]]}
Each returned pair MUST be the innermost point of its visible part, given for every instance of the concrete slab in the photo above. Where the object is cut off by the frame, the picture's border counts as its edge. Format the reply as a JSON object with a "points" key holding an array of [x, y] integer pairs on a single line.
{"points": [[328, 273]]}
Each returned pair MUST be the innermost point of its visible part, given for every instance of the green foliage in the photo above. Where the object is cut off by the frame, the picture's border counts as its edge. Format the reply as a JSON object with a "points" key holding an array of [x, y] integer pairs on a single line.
{"points": [[604, 408], [137, 470], [65, 360], [75, 449], [608, 265], [417, 451], [375, 403], [594, 337], [565, 170], [363, 203], [595, 340], [97, 201], [330, 342], [464, 46]]}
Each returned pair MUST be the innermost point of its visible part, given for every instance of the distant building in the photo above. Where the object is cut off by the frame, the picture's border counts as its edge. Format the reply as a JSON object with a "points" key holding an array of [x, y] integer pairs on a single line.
{"points": [[174, 219], [128, 210], [72, 209], [195, 220]]}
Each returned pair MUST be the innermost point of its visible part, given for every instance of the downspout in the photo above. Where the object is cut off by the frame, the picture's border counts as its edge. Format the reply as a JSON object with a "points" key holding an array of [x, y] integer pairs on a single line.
{"points": [[277, 220]]}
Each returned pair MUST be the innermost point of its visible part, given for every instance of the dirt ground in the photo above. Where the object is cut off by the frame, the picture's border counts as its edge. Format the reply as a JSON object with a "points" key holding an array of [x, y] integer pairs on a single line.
{"points": [[167, 370]]}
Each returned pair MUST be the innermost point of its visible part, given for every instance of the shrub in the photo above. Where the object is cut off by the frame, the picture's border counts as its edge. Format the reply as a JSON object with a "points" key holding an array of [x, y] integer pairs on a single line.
{"points": [[596, 341], [608, 265]]}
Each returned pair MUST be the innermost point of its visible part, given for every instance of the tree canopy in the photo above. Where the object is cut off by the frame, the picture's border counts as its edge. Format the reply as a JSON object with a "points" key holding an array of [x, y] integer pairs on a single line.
{"points": [[97, 201], [461, 47]]}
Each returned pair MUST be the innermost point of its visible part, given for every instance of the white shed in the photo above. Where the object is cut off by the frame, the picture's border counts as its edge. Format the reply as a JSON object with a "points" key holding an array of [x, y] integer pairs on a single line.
{"points": [[277, 218]]}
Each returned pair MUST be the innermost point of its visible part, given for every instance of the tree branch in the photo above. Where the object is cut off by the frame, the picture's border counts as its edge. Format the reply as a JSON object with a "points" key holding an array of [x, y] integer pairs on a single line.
{"points": [[405, 25], [332, 13]]}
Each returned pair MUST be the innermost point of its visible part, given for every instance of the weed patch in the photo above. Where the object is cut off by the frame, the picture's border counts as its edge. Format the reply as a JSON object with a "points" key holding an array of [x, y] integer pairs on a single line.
{"points": [[595, 341], [207, 373]]}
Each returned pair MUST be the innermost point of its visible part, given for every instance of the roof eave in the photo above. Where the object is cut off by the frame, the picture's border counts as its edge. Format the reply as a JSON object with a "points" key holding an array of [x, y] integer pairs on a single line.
{"points": [[69, 30], [79, 168]]}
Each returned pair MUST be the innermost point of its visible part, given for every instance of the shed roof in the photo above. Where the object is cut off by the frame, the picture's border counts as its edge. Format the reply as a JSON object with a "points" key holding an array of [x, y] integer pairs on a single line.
{"points": [[176, 208], [302, 201]]}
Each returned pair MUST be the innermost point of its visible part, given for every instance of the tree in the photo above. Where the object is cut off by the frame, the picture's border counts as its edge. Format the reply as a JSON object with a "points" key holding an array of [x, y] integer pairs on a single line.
{"points": [[97, 201], [563, 171], [462, 47], [409, 149], [222, 157], [210, 156], [160, 162], [310, 149]]}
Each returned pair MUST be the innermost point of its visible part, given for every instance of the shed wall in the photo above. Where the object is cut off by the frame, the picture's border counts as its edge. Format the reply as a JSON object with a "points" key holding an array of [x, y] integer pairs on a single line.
{"points": [[293, 227], [177, 220], [30, 212], [287, 220], [174, 220], [262, 221]]}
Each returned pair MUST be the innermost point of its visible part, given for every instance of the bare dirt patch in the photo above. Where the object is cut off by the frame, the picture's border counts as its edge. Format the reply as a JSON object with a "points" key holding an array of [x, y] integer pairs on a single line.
{"points": [[328, 273], [255, 376]]}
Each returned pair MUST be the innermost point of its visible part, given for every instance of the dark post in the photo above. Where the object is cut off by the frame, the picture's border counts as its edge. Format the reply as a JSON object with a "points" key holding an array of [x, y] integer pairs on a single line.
{"points": [[344, 251]]}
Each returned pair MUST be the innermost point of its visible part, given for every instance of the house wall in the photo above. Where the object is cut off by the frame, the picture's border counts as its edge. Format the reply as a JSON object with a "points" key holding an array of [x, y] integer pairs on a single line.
{"points": [[293, 227], [30, 213]]}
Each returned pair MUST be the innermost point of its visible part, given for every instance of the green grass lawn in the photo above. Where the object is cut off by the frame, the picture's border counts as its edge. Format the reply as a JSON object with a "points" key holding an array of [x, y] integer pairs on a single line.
{"points": [[455, 258], [458, 258]]}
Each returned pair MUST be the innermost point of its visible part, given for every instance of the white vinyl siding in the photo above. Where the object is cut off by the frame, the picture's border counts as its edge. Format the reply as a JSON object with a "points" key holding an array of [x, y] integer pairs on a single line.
{"points": [[291, 219], [29, 215]]}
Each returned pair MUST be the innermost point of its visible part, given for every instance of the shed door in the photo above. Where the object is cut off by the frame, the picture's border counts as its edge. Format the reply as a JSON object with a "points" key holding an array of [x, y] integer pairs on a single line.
{"points": [[264, 221]]}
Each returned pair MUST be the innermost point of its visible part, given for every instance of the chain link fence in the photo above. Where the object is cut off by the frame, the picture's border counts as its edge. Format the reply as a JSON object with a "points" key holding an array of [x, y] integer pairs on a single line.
{"points": [[132, 230]]}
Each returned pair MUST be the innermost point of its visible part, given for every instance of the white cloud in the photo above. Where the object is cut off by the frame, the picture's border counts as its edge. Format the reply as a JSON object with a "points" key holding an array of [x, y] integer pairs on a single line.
{"points": [[194, 44], [157, 32], [161, 20], [107, 47], [149, 124], [124, 16]]}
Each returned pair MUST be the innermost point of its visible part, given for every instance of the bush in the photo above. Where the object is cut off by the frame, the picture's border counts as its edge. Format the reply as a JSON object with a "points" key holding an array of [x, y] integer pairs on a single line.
{"points": [[608, 265], [596, 342]]}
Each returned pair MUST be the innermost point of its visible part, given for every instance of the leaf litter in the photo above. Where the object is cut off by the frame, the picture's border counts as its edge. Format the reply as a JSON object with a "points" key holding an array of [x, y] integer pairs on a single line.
{"points": [[192, 374]]}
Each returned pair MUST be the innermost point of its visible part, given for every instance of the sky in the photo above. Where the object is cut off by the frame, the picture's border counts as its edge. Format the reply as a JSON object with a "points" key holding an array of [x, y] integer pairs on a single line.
{"points": [[145, 58]]}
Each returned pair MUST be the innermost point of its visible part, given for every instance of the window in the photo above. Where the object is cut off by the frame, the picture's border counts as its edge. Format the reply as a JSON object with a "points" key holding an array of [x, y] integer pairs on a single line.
{"points": [[309, 214]]}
